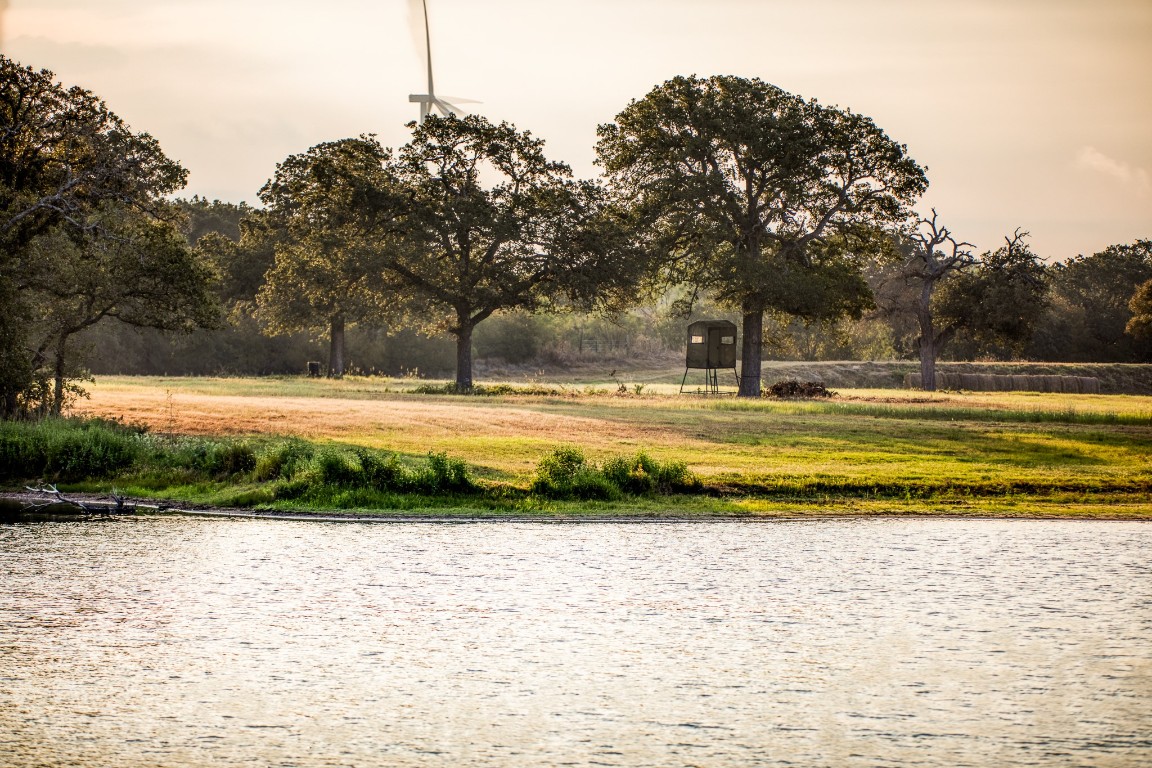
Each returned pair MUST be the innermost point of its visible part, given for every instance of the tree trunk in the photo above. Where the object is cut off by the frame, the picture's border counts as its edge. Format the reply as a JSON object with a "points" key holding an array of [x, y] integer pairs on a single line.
{"points": [[336, 348], [750, 349], [927, 342], [58, 379], [464, 357]]}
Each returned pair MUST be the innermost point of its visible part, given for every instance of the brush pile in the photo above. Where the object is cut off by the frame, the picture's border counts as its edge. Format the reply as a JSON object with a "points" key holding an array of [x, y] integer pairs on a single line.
{"points": [[793, 389]]}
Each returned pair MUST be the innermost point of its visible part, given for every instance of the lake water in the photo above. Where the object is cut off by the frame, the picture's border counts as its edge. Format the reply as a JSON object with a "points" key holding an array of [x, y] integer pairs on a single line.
{"points": [[233, 642]]}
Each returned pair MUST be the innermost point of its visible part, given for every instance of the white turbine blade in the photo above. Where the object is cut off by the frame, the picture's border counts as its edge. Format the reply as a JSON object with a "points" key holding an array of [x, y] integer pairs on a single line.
{"points": [[428, 47], [416, 29], [459, 100], [445, 107]]}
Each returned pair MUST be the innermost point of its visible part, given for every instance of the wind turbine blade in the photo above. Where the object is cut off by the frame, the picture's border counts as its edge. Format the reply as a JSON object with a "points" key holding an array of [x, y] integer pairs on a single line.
{"points": [[445, 107], [416, 29], [428, 47], [459, 100]]}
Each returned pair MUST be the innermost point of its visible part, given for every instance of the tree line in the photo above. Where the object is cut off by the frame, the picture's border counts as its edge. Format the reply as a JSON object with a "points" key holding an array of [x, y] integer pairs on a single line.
{"points": [[718, 195]]}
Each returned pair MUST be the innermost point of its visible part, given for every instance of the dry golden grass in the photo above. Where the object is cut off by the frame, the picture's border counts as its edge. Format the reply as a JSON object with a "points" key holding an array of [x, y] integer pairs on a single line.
{"points": [[507, 436]]}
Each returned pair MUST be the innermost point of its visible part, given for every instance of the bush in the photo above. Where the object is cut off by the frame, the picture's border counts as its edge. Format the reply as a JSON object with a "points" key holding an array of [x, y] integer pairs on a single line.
{"points": [[444, 475], [229, 459], [380, 473], [566, 474], [357, 469], [334, 467], [642, 475], [283, 460]]}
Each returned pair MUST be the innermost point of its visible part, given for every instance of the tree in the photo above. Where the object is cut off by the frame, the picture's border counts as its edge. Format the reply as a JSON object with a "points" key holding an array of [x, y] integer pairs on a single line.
{"points": [[492, 224], [932, 256], [1089, 308], [63, 153], [131, 268], [1139, 326], [745, 187], [205, 217], [997, 304], [64, 156], [332, 210]]}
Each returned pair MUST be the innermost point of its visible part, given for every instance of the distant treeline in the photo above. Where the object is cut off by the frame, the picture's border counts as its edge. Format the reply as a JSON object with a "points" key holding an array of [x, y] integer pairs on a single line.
{"points": [[1083, 320]]}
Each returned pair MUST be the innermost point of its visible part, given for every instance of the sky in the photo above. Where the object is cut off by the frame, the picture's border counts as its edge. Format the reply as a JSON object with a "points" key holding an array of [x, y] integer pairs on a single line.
{"points": [[1032, 114]]}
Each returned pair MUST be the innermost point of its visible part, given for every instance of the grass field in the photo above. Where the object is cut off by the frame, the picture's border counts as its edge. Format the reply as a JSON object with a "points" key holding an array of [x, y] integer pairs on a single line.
{"points": [[866, 451]]}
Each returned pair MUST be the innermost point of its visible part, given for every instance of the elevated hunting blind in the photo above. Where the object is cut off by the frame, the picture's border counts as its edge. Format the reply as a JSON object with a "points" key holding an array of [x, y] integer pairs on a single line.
{"points": [[711, 347]]}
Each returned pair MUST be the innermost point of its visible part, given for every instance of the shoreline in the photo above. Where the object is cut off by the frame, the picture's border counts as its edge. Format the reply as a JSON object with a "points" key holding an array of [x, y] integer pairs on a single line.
{"points": [[158, 508]]}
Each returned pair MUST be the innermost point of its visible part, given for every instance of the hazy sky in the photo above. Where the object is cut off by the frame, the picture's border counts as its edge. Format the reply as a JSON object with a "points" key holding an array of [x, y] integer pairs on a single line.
{"points": [[1027, 113]]}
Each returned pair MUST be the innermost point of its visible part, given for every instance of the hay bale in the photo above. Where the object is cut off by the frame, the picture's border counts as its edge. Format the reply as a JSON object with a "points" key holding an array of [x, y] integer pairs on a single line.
{"points": [[1089, 385]]}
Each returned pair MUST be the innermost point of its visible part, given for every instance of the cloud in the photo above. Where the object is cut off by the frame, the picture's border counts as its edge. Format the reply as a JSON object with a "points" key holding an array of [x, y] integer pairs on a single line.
{"points": [[1092, 159]]}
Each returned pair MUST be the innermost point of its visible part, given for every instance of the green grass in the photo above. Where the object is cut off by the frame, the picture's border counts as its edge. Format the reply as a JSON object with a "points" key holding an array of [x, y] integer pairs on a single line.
{"points": [[867, 452]]}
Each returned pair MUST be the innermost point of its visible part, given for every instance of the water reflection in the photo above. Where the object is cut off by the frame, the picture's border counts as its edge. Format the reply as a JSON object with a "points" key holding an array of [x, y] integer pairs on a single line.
{"points": [[150, 641]]}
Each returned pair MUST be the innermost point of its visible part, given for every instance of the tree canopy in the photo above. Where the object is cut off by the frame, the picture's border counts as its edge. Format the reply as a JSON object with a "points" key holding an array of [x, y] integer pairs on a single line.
{"points": [[1089, 308], [742, 187], [492, 225], [330, 211], [85, 231]]}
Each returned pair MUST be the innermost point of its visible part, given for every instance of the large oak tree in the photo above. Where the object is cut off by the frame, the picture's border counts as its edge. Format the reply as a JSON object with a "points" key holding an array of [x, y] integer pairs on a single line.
{"points": [[491, 224], [331, 212], [755, 193]]}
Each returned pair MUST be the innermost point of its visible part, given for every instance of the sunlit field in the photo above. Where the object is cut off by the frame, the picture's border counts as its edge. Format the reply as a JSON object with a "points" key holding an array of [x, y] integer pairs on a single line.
{"points": [[874, 451]]}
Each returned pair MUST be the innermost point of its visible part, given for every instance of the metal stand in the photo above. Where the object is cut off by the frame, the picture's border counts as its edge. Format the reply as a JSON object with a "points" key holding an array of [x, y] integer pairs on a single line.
{"points": [[711, 381]]}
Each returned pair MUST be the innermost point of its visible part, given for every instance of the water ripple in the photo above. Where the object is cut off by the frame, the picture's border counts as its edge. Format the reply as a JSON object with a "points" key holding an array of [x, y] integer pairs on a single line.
{"points": [[169, 641]]}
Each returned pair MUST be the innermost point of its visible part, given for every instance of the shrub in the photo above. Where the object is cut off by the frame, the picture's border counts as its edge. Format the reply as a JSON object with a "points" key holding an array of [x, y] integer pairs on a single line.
{"points": [[283, 460], [229, 459], [633, 475], [333, 467], [445, 475], [566, 474], [380, 473]]}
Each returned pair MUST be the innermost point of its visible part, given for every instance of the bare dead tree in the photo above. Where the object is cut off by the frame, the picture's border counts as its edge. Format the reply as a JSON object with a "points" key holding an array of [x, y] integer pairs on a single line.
{"points": [[934, 255]]}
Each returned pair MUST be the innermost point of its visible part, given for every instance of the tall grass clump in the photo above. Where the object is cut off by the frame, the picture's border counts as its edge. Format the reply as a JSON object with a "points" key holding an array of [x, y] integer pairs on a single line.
{"points": [[282, 460], [641, 475], [67, 449], [566, 473], [215, 459], [336, 471]]}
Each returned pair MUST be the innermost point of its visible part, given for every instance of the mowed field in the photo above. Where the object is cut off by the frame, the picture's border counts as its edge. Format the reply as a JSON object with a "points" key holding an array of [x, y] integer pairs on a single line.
{"points": [[1016, 453]]}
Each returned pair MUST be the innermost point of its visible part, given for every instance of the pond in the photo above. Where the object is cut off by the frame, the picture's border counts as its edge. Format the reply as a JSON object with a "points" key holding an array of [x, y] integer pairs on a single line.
{"points": [[179, 641]]}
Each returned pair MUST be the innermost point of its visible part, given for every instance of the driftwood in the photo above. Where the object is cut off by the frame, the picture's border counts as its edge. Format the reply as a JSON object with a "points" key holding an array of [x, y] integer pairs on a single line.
{"points": [[118, 505]]}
